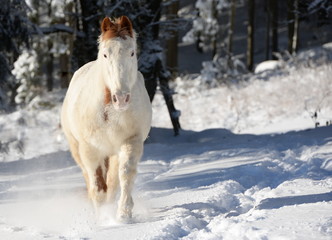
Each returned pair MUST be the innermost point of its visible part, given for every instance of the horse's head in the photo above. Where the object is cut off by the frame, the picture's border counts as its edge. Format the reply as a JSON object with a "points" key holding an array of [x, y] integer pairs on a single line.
{"points": [[117, 55]]}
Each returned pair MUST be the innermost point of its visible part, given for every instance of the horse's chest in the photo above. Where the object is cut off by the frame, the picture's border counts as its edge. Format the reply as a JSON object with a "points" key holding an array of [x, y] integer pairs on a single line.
{"points": [[113, 120], [116, 127], [119, 126]]}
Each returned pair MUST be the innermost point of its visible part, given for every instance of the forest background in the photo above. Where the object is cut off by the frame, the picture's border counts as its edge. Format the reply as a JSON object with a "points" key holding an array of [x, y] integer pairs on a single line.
{"points": [[44, 42]]}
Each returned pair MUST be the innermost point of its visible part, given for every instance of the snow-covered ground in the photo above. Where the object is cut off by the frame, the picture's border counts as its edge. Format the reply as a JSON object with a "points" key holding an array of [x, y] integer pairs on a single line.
{"points": [[249, 164]]}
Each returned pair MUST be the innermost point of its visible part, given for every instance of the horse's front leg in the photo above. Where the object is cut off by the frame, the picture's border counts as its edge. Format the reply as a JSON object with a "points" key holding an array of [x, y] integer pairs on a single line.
{"points": [[130, 154], [96, 173], [112, 178]]}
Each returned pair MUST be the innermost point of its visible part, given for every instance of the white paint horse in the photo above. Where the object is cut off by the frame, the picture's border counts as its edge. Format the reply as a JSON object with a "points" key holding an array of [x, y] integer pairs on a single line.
{"points": [[106, 117]]}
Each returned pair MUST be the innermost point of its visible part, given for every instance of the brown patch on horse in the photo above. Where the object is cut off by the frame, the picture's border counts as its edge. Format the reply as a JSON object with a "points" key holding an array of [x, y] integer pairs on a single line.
{"points": [[107, 100], [107, 96], [105, 116], [122, 27], [100, 181], [106, 162]]}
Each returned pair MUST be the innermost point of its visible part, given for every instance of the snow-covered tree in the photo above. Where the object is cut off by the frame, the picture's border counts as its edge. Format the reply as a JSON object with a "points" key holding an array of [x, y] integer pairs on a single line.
{"points": [[54, 47], [206, 28], [15, 29], [210, 34], [26, 72]]}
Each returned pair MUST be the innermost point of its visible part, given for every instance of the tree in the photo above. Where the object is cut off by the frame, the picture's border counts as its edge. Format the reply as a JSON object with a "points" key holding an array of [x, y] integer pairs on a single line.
{"points": [[271, 28], [274, 20], [267, 35], [172, 42], [151, 64], [89, 24], [26, 72], [293, 25], [251, 34], [206, 30], [52, 42], [231, 26], [15, 30]]}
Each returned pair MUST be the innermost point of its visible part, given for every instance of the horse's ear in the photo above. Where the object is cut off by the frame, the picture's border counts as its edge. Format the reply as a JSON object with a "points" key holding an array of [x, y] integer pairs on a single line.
{"points": [[106, 24], [126, 23]]}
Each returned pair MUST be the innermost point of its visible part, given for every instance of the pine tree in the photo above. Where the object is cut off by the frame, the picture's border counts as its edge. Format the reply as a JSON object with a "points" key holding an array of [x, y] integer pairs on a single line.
{"points": [[15, 30]]}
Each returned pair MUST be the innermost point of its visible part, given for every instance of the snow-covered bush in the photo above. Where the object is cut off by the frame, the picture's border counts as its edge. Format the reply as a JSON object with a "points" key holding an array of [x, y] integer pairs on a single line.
{"points": [[26, 70], [222, 70]]}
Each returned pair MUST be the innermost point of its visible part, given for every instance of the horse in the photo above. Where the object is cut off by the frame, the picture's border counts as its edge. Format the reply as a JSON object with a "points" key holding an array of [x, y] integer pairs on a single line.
{"points": [[106, 117]]}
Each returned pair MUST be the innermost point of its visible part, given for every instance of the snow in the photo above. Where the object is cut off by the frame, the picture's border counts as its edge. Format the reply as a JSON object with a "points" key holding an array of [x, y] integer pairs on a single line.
{"points": [[249, 164], [267, 66]]}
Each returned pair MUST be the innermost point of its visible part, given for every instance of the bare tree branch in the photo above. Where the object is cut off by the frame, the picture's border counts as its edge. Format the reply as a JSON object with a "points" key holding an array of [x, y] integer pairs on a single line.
{"points": [[58, 28]]}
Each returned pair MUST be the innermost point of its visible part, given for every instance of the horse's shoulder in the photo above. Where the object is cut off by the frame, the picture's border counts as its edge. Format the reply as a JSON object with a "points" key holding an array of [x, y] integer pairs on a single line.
{"points": [[140, 76], [140, 80]]}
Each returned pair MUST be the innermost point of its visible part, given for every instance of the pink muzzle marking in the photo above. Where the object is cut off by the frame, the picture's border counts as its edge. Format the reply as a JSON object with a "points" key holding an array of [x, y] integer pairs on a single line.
{"points": [[121, 101]]}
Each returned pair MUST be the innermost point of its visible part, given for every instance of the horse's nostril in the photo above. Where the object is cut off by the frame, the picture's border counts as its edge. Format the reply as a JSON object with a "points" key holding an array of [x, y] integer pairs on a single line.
{"points": [[127, 98], [114, 99]]}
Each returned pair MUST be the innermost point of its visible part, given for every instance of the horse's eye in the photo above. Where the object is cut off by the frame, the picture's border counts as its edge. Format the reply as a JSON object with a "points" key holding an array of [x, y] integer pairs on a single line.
{"points": [[105, 56], [132, 53]]}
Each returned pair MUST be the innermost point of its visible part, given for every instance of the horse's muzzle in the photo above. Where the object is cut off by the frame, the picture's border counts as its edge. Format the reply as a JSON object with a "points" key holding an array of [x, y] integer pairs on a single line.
{"points": [[121, 101]]}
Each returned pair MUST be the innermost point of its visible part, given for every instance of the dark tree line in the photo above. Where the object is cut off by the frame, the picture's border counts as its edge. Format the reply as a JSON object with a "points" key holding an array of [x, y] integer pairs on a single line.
{"points": [[318, 11], [218, 28]]}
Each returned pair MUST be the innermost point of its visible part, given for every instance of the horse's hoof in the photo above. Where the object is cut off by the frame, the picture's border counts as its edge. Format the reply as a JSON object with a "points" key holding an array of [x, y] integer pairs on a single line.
{"points": [[124, 218]]}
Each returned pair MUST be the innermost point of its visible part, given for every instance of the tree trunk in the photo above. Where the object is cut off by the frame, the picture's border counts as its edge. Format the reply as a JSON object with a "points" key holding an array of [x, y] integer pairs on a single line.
{"points": [[172, 66], [172, 42], [251, 31], [64, 63], [49, 72], [231, 27], [49, 66], [155, 72], [168, 96], [268, 24], [293, 25], [150, 73], [85, 49], [214, 13], [64, 58], [274, 11]]}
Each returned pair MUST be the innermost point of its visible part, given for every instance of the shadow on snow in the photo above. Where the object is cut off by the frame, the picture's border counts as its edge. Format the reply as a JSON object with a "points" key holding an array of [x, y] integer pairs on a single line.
{"points": [[251, 160]]}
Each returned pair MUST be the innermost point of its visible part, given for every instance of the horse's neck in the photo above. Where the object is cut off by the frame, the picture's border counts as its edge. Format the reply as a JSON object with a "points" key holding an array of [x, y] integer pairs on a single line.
{"points": [[102, 76], [94, 86]]}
